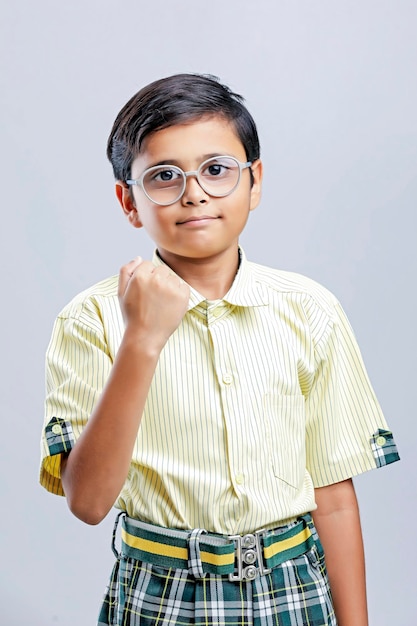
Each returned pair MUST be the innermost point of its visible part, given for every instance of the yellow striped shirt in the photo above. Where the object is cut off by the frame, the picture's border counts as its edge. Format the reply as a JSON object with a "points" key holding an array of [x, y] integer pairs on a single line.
{"points": [[256, 399]]}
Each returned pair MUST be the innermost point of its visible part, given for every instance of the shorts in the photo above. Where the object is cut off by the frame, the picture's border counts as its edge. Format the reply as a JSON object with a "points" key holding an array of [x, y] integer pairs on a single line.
{"points": [[293, 593]]}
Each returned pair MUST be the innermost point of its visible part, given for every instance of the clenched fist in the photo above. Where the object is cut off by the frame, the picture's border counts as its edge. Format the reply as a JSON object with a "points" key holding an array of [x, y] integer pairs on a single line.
{"points": [[153, 300]]}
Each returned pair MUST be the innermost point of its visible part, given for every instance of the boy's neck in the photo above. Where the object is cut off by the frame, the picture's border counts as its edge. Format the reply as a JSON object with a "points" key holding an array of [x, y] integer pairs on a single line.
{"points": [[212, 277]]}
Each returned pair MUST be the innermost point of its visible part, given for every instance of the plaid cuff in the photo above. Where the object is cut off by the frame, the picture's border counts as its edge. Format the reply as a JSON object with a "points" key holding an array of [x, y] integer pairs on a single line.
{"points": [[59, 436], [384, 448]]}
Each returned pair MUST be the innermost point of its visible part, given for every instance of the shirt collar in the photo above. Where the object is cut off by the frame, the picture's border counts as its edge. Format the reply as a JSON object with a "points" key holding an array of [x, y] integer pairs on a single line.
{"points": [[245, 289]]}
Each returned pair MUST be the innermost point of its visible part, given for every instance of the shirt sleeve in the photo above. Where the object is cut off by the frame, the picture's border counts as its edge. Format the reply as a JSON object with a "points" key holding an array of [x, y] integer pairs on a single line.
{"points": [[77, 366], [346, 431]]}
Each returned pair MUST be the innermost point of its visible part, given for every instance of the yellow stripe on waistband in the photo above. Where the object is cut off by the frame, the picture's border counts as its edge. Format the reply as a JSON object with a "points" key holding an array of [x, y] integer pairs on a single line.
{"points": [[287, 544], [175, 552], [153, 547], [217, 559]]}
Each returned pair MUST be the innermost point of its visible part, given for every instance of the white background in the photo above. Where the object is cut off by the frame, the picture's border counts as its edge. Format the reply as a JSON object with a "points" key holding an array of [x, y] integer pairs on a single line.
{"points": [[332, 85]]}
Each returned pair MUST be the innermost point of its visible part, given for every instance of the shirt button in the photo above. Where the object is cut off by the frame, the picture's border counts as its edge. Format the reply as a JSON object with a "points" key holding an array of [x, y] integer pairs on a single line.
{"points": [[381, 441], [239, 479], [227, 379], [217, 312], [57, 429]]}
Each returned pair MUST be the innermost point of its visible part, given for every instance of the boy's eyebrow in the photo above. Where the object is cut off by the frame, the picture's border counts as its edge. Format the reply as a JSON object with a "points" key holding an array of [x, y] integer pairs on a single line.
{"points": [[200, 159]]}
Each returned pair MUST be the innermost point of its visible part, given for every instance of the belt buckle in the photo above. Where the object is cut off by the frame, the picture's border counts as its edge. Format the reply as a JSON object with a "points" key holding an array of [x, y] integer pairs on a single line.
{"points": [[248, 550]]}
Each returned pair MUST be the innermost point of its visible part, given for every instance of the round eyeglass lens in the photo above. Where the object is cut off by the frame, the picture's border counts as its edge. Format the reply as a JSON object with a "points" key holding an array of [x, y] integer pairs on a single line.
{"points": [[164, 184], [219, 176]]}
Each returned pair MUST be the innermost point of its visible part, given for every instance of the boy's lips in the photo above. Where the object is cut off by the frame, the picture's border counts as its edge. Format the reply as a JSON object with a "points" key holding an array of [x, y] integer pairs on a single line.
{"points": [[194, 219]]}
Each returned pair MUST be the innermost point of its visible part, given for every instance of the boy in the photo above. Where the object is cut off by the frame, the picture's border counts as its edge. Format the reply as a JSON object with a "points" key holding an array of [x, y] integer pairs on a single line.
{"points": [[216, 402]]}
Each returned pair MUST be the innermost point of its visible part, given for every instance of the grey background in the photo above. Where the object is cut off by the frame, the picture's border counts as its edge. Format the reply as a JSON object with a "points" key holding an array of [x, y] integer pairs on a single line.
{"points": [[332, 85]]}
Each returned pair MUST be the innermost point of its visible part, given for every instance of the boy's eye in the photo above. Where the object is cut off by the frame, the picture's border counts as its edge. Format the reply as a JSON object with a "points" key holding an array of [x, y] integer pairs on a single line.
{"points": [[165, 176], [215, 169], [162, 178]]}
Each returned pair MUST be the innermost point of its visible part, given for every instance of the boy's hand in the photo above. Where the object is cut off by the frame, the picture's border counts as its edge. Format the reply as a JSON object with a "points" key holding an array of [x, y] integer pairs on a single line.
{"points": [[153, 300]]}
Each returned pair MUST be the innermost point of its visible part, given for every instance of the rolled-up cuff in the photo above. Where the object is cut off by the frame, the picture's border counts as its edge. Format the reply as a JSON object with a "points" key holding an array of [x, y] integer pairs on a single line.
{"points": [[59, 436], [384, 448]]}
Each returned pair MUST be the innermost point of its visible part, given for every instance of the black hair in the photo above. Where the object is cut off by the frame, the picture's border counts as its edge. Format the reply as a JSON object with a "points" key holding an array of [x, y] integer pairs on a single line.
{"points": [[176, 100]]}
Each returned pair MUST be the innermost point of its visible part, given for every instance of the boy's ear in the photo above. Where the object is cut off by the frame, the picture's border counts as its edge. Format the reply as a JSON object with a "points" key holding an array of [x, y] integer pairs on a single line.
{"points": [[125, 197], [255, 192]]}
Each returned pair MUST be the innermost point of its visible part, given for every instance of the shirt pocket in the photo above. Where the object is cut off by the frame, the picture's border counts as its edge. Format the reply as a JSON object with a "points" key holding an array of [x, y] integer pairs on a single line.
{"points": [[285, 428]]}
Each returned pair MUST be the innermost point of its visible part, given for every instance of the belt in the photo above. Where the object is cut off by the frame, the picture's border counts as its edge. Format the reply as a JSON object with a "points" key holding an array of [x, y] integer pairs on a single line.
{"points": [[241, 557]]}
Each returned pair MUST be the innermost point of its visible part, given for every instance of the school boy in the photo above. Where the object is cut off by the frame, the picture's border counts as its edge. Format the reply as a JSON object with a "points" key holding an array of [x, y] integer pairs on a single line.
{"points": [[223, 406]]}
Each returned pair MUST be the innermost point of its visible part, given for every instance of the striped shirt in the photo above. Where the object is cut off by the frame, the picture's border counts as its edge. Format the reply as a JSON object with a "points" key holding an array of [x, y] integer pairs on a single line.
{"points": [[256, 399]]}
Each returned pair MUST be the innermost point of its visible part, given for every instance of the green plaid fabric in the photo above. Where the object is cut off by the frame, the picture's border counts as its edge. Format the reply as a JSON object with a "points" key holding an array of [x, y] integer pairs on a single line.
{"points": [[295, 593], [59, 436], [384, 448]]}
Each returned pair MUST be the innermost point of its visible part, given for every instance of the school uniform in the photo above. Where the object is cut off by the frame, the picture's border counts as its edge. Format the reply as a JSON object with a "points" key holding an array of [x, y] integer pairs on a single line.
{"points": [[256, 400]]}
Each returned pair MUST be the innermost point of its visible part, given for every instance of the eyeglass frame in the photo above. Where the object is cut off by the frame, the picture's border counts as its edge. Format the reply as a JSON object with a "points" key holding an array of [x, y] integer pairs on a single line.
{"points": [[139, 181]]}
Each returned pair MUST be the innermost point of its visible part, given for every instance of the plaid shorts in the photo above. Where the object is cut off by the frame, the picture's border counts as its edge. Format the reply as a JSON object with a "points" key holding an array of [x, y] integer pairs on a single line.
{"points": [[295, 593]]}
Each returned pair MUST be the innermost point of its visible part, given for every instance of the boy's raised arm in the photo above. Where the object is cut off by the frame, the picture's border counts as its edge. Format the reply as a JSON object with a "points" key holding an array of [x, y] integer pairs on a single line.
{"points": [[153, 302]]}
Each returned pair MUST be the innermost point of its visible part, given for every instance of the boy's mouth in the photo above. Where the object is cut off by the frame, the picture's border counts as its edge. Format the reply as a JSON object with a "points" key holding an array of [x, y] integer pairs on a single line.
{"points": [[193, 219]]}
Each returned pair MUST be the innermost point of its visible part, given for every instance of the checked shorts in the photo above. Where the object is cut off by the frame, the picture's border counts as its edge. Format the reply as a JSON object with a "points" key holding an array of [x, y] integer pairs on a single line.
{"points": [[294, 593]]}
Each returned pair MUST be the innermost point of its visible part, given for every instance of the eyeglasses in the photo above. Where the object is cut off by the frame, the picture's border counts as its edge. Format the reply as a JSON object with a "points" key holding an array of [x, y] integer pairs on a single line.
{"points": [[165, 184]]}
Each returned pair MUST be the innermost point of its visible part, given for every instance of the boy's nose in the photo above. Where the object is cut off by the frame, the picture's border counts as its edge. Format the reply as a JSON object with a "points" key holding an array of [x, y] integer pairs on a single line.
{"points": [[194, 193]]}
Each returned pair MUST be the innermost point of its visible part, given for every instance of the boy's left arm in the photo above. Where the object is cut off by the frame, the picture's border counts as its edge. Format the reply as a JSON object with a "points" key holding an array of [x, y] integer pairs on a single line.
{"points": [[338, 524]]}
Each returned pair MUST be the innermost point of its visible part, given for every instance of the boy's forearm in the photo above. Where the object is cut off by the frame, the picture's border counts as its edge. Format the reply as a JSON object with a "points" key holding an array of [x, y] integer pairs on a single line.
{"points": [[153, 302], [338, 524], [94, 472]]}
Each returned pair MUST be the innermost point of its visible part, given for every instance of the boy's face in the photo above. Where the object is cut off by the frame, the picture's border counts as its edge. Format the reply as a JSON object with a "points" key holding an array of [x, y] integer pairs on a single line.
{"points": [[198, 225]]}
